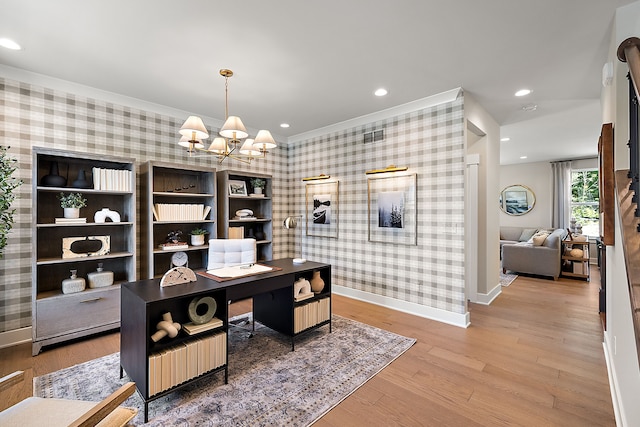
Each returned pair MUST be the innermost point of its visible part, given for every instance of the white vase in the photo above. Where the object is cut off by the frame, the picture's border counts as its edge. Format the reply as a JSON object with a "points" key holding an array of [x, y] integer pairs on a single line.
{"points": [[71, 212], [197, 239], [257, 190]]}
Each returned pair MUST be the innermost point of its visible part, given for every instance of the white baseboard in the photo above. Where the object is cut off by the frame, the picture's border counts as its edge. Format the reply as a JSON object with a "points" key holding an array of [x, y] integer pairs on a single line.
{"points": [[487, 299], [15, 337], [613, 383], [460, 320]]}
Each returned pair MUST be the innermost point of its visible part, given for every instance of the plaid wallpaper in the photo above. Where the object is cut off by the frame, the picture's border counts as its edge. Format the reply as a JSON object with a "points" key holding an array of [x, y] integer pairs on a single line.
{"points": [[430, 142]]}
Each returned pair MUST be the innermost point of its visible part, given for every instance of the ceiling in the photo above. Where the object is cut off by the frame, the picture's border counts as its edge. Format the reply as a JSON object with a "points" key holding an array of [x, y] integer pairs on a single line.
{"points": [[314, 64]]}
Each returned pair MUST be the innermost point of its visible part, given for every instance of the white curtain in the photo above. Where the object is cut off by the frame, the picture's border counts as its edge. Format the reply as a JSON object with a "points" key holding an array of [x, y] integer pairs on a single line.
{"points": [[561, 194]]}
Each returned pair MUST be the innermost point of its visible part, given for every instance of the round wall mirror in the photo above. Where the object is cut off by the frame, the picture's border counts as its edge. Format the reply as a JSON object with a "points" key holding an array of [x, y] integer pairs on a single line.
{"points": [[517, 200]]}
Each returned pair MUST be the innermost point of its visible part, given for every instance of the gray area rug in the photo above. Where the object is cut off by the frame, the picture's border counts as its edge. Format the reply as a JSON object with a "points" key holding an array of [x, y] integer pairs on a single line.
{"points": [[268, 383], [507, 278]]}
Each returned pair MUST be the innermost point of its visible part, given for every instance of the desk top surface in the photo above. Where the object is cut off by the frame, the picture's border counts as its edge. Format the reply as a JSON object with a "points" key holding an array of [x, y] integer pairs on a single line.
{"points": [[149, 290]]}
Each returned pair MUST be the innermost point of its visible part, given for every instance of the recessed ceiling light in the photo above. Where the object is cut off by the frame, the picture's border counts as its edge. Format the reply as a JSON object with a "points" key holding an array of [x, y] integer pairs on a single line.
{"points": [[530, 107], [523, 92], [9, 44], [523, 157], [284, 125], [380, 92], [505, 139]]}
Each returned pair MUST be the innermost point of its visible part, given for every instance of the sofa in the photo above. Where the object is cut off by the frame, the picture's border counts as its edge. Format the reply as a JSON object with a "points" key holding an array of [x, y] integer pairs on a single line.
{"points": [[532, 250]]}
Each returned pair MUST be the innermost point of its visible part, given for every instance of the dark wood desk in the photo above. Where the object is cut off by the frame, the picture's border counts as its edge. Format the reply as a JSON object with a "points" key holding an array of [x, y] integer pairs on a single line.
{"points": [[143, 303]]}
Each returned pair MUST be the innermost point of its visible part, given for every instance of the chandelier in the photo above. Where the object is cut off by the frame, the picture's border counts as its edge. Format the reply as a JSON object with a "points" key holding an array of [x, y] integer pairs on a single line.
{"points": [[230, 142]]}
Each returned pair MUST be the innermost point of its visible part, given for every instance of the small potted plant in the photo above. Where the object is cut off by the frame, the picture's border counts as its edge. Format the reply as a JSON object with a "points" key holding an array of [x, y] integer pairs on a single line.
{"points": [[71, 203], [258, 185], [197, 236]]}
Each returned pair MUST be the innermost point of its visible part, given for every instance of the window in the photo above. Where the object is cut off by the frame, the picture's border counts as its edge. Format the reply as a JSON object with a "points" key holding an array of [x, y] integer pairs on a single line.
{"points": [[585, 199]]}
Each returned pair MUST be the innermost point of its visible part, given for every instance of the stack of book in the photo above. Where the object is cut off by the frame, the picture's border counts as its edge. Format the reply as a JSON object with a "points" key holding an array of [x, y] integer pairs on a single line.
{"points": [[112, 179], [175, 365], [71, 220], [180, 212], [308, 315], [173, 246]]}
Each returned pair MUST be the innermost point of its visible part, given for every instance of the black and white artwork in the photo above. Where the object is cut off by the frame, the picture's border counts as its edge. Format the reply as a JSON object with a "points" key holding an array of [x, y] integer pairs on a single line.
{"points": [[322, 208], [392, 212], [391, 209], [321, 199]]}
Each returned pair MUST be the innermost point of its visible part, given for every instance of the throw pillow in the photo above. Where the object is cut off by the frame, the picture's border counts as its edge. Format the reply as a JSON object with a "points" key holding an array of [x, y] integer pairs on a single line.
{"points": [[539, 238], [527, 233]]}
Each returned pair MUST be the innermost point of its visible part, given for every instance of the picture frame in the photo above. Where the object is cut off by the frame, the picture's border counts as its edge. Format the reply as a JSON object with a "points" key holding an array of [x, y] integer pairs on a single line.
{"points": [[237, 188], [321, 201], [392, 209]]}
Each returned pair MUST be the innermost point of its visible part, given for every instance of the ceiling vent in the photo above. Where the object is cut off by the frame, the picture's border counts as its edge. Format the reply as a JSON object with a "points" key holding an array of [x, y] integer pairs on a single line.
{"points": [[374, 136]]}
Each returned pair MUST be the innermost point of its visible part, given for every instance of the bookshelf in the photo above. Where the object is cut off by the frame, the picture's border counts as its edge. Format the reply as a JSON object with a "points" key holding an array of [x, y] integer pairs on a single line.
{"points": [[258, 226], [58, 316], [176, 199]]}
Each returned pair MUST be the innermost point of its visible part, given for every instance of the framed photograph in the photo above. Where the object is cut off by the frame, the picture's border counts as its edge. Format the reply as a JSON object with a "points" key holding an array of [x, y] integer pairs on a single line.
{"points": [[392, 209], [322, 209], [237, 188]]}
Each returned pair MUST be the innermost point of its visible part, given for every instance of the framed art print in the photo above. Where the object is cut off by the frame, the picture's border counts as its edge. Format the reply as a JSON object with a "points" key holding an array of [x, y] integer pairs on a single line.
{"points": [[392, 209], [237, 188], [322, 209]]}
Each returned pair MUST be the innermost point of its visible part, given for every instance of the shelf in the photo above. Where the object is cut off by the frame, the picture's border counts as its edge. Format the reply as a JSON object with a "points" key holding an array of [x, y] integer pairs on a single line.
{"points": [[59, 260], [87, 291], [88, 224], [190, 248], [79, 190], [249, 197], [186, 221], [258, 220], [179, 194], [569, 274]]}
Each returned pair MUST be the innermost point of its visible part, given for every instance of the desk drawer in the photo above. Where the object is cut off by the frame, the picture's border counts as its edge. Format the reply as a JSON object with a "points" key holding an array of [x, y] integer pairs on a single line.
{"points": [[70, 313]]}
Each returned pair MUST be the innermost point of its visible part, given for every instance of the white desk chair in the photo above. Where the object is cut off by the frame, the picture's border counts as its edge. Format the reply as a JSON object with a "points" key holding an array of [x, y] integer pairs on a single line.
{"points": [[38, 411], [228, 253]]}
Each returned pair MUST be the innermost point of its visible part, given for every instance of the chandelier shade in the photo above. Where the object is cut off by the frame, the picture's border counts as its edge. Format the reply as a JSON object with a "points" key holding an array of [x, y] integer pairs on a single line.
{"points": [[193, 128], [264, 140], [233, 129], [248, 149]]}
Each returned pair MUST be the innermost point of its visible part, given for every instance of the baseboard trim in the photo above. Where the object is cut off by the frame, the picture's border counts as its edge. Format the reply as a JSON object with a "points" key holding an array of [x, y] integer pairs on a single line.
{"points": [[613, 383], [487, 299], [15, 337], [460, 320]]}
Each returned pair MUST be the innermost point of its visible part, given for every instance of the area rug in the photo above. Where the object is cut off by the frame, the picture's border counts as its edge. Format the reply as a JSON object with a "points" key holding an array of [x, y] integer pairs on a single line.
{"points": [[268, 383], [507, 278]]}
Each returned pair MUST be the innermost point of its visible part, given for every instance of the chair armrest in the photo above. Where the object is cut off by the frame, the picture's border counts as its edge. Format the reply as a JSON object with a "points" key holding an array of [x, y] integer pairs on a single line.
{"points": [[11, 379], [106, 406]]}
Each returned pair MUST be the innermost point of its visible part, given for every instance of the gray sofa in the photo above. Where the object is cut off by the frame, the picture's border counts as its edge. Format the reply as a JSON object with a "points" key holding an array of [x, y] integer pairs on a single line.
{"points": [[521, 256]]}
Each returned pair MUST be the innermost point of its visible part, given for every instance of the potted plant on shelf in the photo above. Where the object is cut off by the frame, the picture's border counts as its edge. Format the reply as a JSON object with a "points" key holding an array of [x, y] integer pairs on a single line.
{"points": [[197, 236], [258, 185], [71, 203]]}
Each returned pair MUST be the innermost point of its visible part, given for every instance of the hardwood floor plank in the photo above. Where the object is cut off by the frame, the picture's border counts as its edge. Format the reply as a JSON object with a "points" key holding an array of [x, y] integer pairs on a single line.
{"points": [[533, 357]]}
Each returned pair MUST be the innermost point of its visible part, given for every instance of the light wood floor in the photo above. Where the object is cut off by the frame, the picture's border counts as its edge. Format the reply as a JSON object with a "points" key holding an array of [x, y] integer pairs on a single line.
{"points": [[534, 357]]}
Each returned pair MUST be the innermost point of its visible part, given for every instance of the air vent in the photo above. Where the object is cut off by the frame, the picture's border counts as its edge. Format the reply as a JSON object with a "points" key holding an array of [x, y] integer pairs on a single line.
{"points": [[374, 136]]}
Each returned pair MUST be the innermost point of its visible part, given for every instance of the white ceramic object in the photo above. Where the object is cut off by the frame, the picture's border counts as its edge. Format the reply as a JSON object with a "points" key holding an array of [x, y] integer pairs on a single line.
{"points": [[100, 278], [102, 215], [73, 284]]}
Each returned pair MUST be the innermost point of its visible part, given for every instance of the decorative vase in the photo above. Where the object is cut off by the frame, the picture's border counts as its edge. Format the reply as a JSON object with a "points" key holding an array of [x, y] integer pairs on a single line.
{"points": [[259, 234], [102, 215], [197, 239], [317, 284], [53, 179], [73, 283], [100, 278], [81, 181], [71, 212]]}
